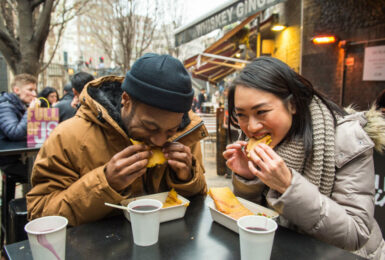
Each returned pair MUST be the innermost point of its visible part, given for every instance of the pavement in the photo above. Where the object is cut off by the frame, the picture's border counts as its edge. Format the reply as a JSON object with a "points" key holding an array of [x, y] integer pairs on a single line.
{"points": [[210, 164]]}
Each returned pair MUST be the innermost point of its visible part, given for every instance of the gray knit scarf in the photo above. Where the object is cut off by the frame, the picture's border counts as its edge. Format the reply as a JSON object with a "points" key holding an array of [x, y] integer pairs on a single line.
{"points": [[318, 167]]}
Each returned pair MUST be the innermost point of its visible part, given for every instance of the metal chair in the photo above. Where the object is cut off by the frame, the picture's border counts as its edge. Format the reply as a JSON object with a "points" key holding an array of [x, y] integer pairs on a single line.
{"points": [[8, 193]]}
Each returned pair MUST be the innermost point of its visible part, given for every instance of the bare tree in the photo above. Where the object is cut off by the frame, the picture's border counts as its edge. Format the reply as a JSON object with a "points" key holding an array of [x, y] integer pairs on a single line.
{"points": [[172, 12], [130, 26], [24, 28], [64, 11]]}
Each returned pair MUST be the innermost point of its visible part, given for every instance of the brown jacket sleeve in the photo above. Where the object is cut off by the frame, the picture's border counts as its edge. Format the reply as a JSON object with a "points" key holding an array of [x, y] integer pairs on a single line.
{"points": [[60, 189]]}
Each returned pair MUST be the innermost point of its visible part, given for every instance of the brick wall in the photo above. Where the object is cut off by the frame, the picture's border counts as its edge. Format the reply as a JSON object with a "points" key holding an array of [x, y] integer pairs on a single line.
{"points": [[351, 20]]}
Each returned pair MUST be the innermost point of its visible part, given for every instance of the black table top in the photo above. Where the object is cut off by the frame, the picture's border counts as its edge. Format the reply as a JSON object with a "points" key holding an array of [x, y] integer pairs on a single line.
{"points": [[17, 147], [195, 236]]}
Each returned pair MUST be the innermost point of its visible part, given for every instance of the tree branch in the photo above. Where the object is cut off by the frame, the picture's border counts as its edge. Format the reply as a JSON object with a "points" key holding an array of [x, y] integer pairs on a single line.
{"points": [[42, 25], [36, 3], [60, 33], [11, 55]]}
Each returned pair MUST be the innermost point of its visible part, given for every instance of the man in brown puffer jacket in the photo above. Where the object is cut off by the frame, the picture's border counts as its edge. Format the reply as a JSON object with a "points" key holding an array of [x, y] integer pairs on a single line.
{"points": [[90, 159]]}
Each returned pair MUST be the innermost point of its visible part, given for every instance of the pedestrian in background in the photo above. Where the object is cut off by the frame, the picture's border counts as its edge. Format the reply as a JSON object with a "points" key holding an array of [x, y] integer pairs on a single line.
{"points": [[201, 100], [78, 81], [318, 170], [65, 109], [50, 94], [13, 119]]}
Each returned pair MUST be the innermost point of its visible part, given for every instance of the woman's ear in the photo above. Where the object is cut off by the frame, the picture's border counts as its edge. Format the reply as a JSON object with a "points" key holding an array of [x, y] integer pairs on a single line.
{"points": [[291, 107]]}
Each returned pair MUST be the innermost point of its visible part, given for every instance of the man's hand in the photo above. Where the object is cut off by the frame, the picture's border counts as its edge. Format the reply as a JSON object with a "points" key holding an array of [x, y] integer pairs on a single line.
{"points": [[34, 103], [126, 166], [75, 101], [180, 159]]}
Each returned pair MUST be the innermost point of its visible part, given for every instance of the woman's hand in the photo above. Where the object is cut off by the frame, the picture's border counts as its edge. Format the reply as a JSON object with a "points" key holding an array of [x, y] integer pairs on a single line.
{"points": [[270, 168], [237, 160]]}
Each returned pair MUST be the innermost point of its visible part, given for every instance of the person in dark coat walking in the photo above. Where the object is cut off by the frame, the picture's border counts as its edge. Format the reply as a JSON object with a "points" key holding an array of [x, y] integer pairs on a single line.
{"points": [[65, 109], [201, 100]]}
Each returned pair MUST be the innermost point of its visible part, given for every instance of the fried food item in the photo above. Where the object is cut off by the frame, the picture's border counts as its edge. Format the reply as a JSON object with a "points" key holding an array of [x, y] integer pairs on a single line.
{"points": [[172, 199], [226, 202], [253, 142], [156, 158]]}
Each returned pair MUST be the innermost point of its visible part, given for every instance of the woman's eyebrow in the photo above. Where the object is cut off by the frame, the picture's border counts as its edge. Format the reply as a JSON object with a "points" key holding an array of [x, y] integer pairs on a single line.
{"points": [[253, 107]]}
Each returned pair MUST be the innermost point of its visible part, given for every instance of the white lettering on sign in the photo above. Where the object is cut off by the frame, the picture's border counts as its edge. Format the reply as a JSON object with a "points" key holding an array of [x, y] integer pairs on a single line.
{"points": [[240, 10], [379, 197], [237, 11]]}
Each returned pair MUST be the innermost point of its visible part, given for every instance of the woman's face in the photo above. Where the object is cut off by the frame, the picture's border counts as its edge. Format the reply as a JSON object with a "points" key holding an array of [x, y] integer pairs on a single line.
{"points": [[260, 113], [52, 97]]}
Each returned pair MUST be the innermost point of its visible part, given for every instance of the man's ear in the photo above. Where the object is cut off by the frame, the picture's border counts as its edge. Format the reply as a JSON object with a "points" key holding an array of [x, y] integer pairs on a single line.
{"points": [[76, 93], [16, 90], [126, 100]]}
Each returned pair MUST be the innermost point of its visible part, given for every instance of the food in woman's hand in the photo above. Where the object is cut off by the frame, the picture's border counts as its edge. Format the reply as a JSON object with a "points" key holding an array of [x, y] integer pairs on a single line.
{"points": [[253, 142], [172, 199], [226, 202], [156, 158]]}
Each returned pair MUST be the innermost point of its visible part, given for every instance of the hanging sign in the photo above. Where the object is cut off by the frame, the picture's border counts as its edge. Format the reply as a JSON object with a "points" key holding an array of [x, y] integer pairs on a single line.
{"points": [[237, 11]]}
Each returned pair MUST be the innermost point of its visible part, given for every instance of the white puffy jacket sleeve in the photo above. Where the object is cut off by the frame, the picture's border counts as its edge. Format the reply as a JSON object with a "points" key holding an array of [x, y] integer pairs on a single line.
{"points": [[345, 218]]}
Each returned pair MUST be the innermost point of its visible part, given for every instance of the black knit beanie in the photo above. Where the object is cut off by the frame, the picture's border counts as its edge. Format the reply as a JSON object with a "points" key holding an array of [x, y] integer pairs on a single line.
{"points": [[160, 81]]}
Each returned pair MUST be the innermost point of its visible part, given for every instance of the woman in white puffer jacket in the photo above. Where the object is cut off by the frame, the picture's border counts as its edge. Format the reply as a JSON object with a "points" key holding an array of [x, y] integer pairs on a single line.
{"points": [[319, 175]]}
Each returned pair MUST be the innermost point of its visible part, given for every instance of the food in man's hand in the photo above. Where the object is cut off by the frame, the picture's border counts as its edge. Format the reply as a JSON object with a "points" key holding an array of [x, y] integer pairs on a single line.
{"points": [[226, 202], [172, 199], [156, 158], [253, 142]]}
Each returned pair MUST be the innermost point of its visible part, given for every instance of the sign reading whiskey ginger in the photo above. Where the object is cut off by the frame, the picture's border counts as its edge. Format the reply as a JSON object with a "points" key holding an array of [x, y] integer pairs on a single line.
{"points": [[235, 11]]}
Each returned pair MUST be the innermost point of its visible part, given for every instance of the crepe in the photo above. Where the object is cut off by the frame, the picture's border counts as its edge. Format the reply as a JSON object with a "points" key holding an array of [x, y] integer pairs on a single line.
{"points": [[172, 199], [226, 202], [156, 158], [253, 142]]}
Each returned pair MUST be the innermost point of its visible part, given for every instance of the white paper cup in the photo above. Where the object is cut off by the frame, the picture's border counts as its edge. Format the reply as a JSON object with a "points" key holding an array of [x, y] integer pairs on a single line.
{"points": [[47, 237], [145, 223], [256, 244]]}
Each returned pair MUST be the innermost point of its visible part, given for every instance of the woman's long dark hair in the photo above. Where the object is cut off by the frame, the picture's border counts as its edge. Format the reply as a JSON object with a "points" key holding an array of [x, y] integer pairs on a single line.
{"points": [[273, 76], [45, 92]]}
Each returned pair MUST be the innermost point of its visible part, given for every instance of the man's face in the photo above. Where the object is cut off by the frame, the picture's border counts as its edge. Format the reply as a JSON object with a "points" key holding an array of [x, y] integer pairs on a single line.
{"points": [[148, 124], [26, 92]]}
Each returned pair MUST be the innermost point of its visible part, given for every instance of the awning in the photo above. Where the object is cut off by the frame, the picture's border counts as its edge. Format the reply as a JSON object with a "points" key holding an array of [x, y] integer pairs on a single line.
{"points": [[220, 59], [230, 53]]}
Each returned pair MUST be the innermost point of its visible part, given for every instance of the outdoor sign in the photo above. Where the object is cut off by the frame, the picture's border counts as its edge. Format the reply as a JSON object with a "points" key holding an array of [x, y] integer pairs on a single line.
{"points": [[374, 63], [237, 11]]}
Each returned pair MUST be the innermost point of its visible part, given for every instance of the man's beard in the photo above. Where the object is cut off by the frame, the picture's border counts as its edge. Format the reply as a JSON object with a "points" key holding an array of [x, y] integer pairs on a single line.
{"points": [[127, 121]]}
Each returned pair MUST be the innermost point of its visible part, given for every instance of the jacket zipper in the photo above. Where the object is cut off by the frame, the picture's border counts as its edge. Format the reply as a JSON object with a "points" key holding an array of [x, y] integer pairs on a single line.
{"points": [[188, 132]]}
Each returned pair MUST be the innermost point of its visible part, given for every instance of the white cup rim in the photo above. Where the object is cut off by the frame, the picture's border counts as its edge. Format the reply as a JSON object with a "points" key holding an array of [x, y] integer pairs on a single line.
{"points": [[135, 203], [26, 228], [272, 230]]}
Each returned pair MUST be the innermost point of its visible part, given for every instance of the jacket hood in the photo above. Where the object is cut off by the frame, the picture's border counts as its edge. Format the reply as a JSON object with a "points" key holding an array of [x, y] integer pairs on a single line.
{"points": [[373, 122], [14, 100], [101, 103]]}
